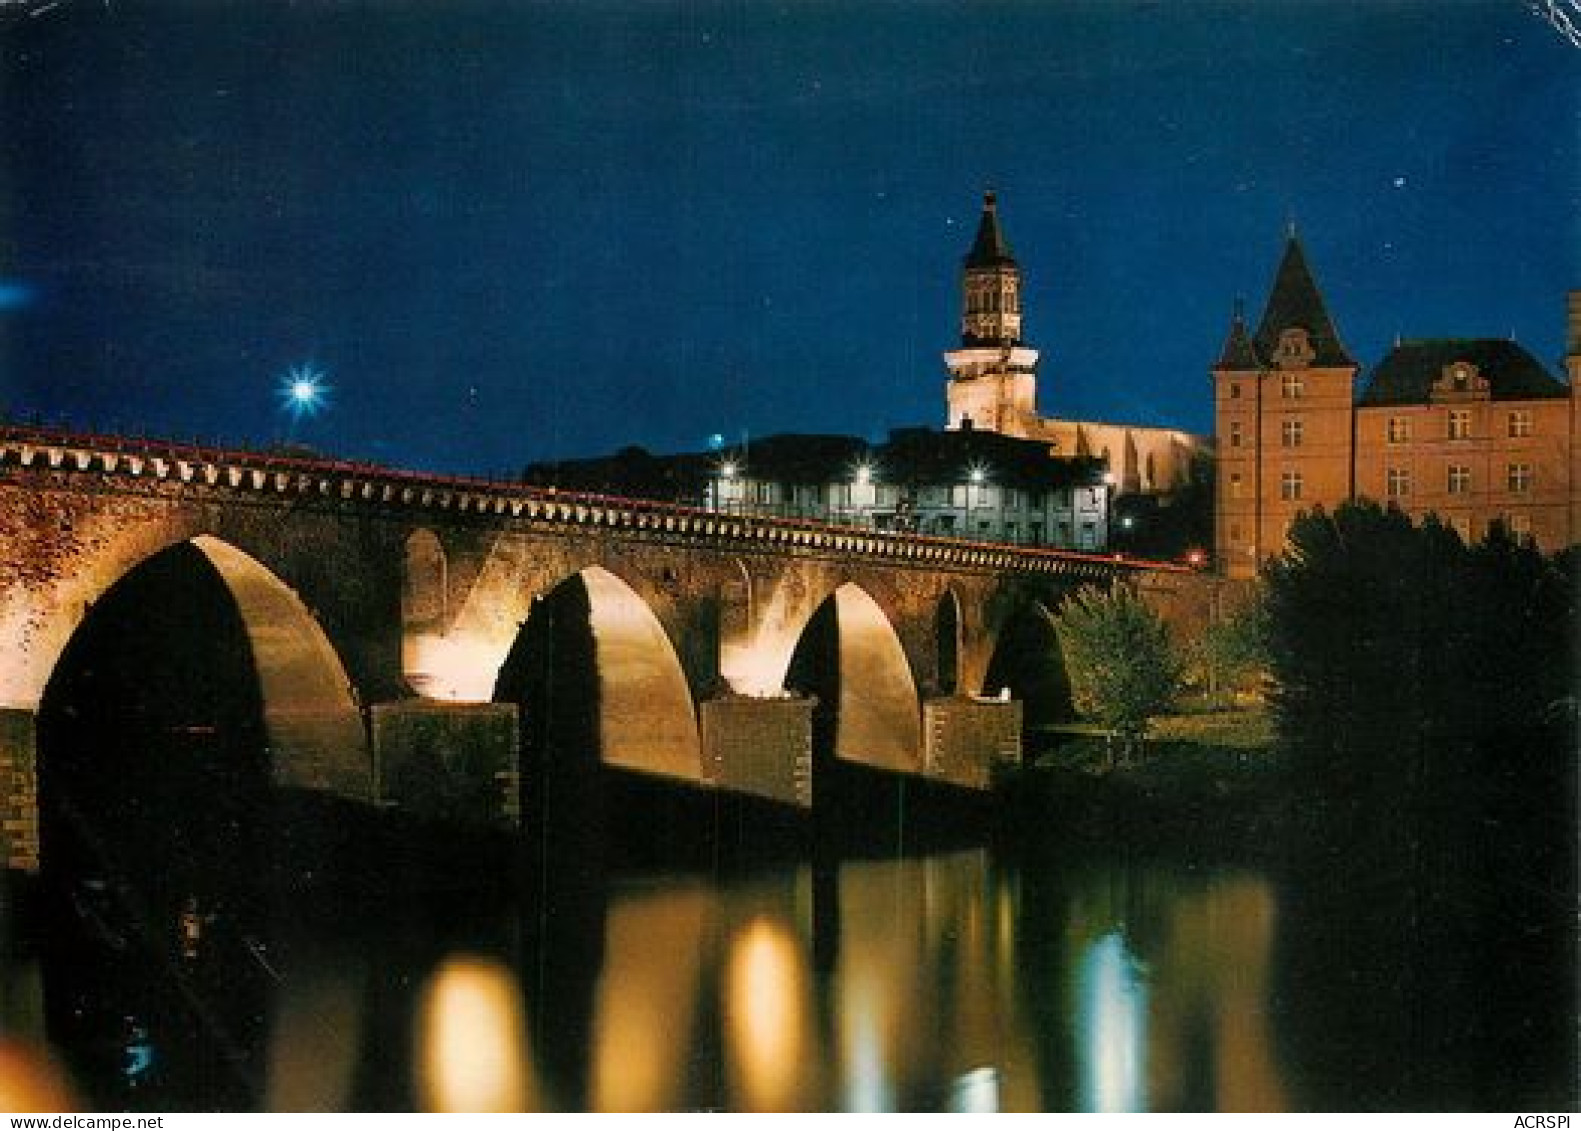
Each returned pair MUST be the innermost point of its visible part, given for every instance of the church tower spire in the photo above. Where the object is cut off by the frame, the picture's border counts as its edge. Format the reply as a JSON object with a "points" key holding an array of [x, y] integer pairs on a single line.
{"points": [[991, 284], [993, 376]]}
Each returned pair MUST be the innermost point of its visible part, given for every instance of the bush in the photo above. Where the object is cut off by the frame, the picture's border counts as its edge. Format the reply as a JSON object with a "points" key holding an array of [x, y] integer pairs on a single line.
{"points": [[1123, 667]]}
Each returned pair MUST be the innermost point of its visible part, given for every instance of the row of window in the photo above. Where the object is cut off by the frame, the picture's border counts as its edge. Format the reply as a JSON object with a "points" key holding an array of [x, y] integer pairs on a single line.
{"points": [[1518, 480], [1292, 431], [1292, 387], [1518, 425]]}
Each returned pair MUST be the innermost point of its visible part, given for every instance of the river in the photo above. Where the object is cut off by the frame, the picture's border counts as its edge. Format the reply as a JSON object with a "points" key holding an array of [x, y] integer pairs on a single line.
{"points": [[968, 979]]}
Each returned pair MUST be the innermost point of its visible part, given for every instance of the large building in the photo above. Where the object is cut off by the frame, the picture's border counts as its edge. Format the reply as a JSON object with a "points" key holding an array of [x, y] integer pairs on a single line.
{"points": [[963, 484], [993, 377], [1473, 430]]}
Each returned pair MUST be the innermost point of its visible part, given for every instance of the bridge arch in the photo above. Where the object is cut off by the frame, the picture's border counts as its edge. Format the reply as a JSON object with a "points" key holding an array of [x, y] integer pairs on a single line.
{"points": [[598, 678], [424, 612], [850, 657], [1027, 659], [310, 721]]}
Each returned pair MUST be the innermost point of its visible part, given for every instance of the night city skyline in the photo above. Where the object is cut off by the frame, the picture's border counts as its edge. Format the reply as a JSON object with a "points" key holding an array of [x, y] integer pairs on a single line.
{"points": [[507, 233]]}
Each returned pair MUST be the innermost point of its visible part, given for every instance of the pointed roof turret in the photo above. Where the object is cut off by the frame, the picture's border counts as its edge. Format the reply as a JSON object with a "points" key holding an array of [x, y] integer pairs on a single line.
{"points": [[1296, 303], [990, 249], [1238, 352]]}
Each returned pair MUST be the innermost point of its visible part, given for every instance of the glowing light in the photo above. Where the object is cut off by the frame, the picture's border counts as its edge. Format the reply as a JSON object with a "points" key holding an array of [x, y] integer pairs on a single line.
{"points": [[1109, 479], [728, 469], [14, 295], [303, 391], [472, 1040], [977, 473], [1128, 522], [863, 474], [1111, 1026], [765, 1003]]}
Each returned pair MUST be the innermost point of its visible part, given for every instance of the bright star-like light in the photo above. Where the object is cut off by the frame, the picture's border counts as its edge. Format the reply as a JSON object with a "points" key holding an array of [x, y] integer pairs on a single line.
{"points": [[302, 391]]}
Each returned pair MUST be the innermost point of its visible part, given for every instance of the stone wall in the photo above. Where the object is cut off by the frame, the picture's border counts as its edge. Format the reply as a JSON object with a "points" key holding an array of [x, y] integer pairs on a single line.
{"points": [[762, 747], [450, 762]]}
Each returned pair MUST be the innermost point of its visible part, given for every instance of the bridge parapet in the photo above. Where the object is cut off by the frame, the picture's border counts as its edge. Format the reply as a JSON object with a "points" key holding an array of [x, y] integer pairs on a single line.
{"points": [[125, 460]]}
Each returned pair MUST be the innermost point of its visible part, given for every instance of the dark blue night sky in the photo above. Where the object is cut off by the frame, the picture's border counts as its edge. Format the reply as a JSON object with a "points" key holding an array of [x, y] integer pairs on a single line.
{"points": [[513, 232]]}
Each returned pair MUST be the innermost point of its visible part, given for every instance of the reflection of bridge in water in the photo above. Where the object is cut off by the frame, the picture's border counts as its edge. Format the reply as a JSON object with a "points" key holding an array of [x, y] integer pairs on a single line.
{"points": [[375, 635]]}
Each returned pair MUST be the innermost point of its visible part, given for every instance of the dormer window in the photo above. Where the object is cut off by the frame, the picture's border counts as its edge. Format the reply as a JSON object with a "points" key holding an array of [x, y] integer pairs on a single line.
{"points": [[1460, 380], [1295, 349]]}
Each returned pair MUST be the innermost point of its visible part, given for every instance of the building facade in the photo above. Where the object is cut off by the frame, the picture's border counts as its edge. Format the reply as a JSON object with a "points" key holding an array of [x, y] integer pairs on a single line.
{"points": [[982, 486], [1473, 430], [992, 383]]}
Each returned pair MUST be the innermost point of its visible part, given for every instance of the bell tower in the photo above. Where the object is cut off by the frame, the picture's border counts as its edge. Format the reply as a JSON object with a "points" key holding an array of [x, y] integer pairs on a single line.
{"points": [[993, 376]]}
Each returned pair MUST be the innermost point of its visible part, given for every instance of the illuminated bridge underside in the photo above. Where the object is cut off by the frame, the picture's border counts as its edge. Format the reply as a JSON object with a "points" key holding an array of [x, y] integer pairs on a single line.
{"points": [[381, 607]]}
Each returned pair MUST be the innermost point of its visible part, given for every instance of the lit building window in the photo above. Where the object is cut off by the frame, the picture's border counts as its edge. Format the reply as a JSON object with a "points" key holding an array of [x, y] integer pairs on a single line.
{"points": [[1460, 424], [1290, 433], [1520, 423], [1399, 482], [1235, 433], [1292, 386], [1519, 478], [1290, 486], [1235, 485], [1459, 479], [1519, 525], [1399, 430]]}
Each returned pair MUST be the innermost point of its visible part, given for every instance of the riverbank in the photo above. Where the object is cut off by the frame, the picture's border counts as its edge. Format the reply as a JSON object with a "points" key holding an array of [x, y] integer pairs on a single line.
{"points": [[1204, 783]]}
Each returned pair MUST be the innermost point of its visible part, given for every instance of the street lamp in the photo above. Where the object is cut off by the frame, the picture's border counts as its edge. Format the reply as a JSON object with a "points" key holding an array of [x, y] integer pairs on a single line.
{"points": [[977, 476]]}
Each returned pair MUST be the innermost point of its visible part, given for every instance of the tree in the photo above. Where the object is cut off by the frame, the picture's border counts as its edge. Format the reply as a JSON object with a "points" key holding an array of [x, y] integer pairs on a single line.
{"points": [[1233, 652], [1123, 667]]}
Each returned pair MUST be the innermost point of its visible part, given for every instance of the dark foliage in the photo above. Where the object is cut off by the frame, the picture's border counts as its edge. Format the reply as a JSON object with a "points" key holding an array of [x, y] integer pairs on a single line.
{"points": [[1426, 710]]}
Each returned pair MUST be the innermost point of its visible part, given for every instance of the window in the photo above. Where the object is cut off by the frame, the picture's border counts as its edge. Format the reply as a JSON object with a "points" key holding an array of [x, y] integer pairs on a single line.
{"points": [[1235, 433], [1235, 485], [1012, 532], [1459, 479], [1460, 424], [1013, 498], [1519, 526], [1290, 433], [1519, 478], [1235, 532], [1399, 430], [1520, 423], [1034, 534], [958, 495], [1399, 482], [1290, 486], [984, 528], [1089, 536], [1235, 390], [1292, 386]]}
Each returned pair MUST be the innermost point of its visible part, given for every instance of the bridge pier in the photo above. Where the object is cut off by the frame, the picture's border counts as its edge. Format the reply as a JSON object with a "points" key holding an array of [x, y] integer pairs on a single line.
{"points": [[761, 747], [965, 739], [451, 762], [19, 788]]}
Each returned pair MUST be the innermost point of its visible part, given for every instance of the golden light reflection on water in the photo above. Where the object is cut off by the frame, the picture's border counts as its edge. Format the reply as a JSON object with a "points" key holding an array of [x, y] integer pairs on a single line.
{"points": [[766, 1011], [473, 1054]]}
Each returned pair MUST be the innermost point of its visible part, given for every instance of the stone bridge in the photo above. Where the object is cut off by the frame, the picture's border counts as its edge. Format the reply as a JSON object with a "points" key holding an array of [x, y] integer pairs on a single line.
{"points": [[410, 636]]}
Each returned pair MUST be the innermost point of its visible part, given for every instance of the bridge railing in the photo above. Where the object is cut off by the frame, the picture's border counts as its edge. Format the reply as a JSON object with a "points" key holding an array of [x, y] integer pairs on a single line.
{"points": [[34, 446]]}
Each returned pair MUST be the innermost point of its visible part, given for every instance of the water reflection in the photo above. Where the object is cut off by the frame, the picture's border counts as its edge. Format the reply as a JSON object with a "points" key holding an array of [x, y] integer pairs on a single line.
{"points": [[949, 982]]}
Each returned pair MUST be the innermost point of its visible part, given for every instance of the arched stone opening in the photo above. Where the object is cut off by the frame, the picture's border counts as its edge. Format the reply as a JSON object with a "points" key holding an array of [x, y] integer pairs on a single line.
{"points": [[1027, 660], [851, 659], [599, 681], [194, 686]]}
